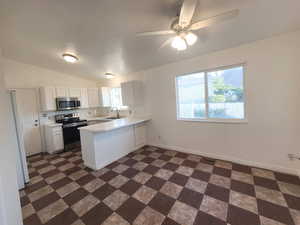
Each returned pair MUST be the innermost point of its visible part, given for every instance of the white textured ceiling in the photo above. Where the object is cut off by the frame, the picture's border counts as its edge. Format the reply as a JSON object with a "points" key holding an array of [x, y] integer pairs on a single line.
{"points": [[102, 32]]}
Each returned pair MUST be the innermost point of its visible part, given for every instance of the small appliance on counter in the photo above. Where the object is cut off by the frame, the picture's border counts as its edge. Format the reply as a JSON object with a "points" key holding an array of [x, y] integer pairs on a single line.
{"points": [[70, 124]]}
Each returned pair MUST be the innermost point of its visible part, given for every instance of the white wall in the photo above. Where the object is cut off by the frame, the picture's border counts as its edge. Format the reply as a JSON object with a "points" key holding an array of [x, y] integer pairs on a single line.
{"points": [[272, 93], [20, 75], [10, 209]]}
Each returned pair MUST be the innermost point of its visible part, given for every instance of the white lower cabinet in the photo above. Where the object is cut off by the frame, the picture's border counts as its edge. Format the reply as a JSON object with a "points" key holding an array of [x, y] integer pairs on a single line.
{"points": [[140, 135], [54, 138]]}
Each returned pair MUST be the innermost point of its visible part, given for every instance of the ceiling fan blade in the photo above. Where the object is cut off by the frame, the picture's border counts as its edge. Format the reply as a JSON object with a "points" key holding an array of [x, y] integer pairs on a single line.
{"points": [[187, 12], [161, 32], [165, 43], [214, 20]]}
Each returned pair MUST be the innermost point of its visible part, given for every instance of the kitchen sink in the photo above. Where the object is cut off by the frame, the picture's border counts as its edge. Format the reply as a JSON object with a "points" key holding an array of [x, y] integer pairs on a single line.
{"points": [[114, 118]]}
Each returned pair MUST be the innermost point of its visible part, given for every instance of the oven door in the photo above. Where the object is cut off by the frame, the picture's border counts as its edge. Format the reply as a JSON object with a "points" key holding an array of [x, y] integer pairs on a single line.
{"points": [[71, 133]]}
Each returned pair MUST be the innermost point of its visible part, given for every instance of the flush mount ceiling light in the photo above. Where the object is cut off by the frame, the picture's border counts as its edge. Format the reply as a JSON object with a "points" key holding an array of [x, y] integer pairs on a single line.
{"points": [[70, 58], [109, 75]]}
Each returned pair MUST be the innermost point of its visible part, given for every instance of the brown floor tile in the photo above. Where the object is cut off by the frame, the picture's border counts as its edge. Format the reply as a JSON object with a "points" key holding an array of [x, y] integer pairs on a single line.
{"points": [[275, 212], [162, 203], [131, 209], [97, 215], [238, 216]]}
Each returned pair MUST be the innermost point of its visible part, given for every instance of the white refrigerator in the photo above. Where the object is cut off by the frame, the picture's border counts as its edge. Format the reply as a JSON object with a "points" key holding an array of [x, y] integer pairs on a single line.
{"points": [[22, 168]]}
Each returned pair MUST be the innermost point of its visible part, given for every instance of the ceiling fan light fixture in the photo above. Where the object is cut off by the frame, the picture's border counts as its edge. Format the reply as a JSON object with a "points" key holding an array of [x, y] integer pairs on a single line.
{"points": [[179, 43], [109, 75], [191, 38], [70, 58]]}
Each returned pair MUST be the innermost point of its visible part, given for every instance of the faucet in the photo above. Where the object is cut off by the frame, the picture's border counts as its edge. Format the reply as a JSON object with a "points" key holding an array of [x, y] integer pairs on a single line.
{"points": [[117, 112]]}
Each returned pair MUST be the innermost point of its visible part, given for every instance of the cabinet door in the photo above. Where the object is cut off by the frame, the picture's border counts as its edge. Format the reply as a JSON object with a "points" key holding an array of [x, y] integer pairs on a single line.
{"points": [[84, 98], [75, 92], [58, 142], [140, 135], [48, 98], [127, 93], [62, 92], [93, 97]]}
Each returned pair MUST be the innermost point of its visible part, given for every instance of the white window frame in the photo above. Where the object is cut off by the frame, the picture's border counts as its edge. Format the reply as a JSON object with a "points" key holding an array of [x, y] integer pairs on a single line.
{"points": [[207, 119]]}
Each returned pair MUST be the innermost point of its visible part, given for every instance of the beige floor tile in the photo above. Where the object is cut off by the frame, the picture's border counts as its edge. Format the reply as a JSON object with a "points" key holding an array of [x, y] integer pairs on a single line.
{"points": [[176, 160], [185, 170], [267, 221], [205, 167], [116, 199], [149, 216], [140, 166], [220, 181], [164, 174], [55, 178], [196, 185], [66, 167], [93, 185], [144, 194], [40, 193], [158, 163], [289, 188], [263, 173], [270, 195], [100, 172], [77, 175], [171, 189], [118, 181], [243, 177], [115, 219], [214, 207], [142, 177], [52, 210], [243, 201], [120, 168], [295, 215], [85, 205], [46, 169], [223, 164], [27, 211], [183, 213], [67, 189]]}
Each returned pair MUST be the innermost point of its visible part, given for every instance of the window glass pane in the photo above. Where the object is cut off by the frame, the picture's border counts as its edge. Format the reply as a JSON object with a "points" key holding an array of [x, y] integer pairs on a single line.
{"points": [[226, 94], [191, 96], [116, 97]]}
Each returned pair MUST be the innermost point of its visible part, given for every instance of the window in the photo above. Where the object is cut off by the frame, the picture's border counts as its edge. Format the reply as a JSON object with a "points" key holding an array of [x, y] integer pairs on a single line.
{"points": [[112, 97], [116, 97], [214, 95]]}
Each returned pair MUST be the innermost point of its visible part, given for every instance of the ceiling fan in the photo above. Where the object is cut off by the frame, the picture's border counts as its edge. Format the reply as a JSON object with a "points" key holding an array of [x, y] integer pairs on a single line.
{"points": [[182, 26]]}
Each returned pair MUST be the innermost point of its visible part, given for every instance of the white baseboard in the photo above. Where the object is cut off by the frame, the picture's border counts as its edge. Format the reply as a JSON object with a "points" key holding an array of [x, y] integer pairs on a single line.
{"points": [[231, 159]]}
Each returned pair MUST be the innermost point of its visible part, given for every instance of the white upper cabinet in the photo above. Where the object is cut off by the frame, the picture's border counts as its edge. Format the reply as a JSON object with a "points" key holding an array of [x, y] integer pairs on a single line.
{"points": [[84, 99], [93, 97], [62, 92], [132, 93], [48, 98], [75, 92]]}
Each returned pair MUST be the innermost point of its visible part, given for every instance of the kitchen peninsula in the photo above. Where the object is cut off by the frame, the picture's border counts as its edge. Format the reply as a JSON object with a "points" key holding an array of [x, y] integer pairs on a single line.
{"points": [[103, 143]]}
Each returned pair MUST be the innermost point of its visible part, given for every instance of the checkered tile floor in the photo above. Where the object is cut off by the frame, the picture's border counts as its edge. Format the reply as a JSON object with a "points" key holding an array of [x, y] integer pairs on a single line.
{"points": [[154, 186]]}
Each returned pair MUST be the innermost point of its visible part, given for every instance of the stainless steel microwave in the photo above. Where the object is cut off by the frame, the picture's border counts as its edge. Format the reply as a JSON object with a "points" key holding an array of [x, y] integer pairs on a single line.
{"points": [[67, 103]]}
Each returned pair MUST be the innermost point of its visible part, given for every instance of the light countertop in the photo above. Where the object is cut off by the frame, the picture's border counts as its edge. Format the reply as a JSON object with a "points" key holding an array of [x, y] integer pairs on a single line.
{"points": [[53, 124], [114, 124]]}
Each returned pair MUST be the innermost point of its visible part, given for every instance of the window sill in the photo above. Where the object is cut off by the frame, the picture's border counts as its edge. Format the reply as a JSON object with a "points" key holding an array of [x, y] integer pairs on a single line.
{"points": [[232, 121]]}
